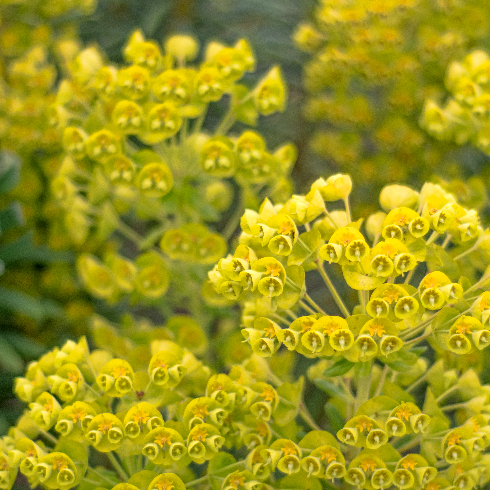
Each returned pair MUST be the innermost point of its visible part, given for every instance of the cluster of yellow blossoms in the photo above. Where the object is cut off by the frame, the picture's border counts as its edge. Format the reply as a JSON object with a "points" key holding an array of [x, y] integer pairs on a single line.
{"points": [[162, 417]]}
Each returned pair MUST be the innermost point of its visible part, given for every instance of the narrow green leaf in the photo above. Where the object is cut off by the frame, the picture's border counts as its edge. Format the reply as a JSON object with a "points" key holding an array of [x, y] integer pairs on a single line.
{"points": [[340, 367]]}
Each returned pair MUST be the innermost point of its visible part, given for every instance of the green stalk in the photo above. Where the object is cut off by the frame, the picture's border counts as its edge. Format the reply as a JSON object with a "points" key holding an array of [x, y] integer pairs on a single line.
{"points": [[331, 288], [117, 466]]}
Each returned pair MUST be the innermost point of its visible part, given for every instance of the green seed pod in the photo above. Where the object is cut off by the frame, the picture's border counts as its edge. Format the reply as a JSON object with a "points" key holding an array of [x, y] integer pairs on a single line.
{"points": [[173, 86], [331, 252], [348, 435], [432, 299], [116, 378], [217, 157], [127, 116], [74, 142], [403, 478], [378, 308], [357, 250], [289, 464], [481, 338], [341, 340], [265, 347], [45, 411], [395, 427], [452, 292], [210, 85], [120, 170], [404, 263], [382, 266], [455, 454], [313, 341], [335, 470], [376, 438], [406, 307], [152, 279], [392, 231], [366, 347], [103, 145], [390, 344], [105, 432], [163, 121], [250, 148], [155, 180], [356, 477], [381, 478], [419, 227], [289, 338], [105, 81], [419, 422], [134, 82], [57, 470], [312, 466]]}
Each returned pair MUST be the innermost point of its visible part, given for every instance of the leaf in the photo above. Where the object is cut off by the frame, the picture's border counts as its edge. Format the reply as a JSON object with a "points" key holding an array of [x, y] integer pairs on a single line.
{"points": [[397, 365], [331, 388], [439, 260], [24, 345], [10, 360], [294, 288], [216, 464], [305, 248], [9, 171], [11, 217], [24, 248], [300, 480], [334, 416], [243, 106], [376, 404], [288, 408], [360, 282], [356, 322], [340, 367], [418, 249], [317, 438], [20, 302]]}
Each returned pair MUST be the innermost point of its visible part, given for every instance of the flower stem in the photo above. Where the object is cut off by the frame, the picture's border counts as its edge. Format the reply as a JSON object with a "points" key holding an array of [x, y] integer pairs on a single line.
{"points": [[332, 289], [466, 252], [382, 380], [313, 303], [363, 388], [205, 478], [117, 466], [306, 416]]}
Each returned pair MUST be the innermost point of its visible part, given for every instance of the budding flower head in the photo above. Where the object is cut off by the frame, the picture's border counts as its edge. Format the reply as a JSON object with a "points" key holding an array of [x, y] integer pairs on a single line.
{"points": [[182, 47], [396, 196]]}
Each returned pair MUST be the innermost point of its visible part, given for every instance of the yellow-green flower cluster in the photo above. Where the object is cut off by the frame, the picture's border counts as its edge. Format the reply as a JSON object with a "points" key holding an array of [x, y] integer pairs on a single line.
{"points": [[422, 235], [372, 66], [464, 116], [241, 425], [141, 162], [133, 134]]}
